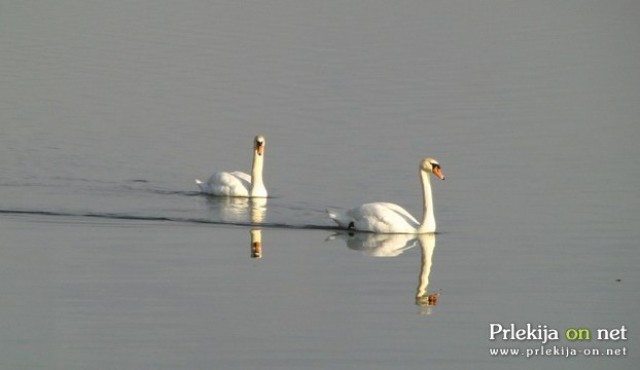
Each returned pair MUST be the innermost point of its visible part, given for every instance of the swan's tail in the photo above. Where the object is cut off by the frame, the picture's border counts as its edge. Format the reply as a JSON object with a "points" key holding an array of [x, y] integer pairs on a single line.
{"points": [[204, 187], [340, 217]]}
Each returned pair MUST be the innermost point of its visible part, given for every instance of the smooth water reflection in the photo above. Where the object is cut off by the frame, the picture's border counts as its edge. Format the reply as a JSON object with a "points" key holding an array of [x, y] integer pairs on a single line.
{"points": [[237, 209], [393, 245], [423, 298], [256, 243], [377, 245]]}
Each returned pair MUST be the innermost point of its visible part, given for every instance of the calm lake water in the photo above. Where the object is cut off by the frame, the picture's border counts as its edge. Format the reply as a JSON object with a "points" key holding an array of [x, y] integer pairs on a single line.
{"points": [[110, 259]]}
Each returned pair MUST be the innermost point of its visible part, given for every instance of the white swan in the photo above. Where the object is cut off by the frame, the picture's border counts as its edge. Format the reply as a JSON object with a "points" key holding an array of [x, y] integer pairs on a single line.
{"points": [[237, 183], [389, 218]]}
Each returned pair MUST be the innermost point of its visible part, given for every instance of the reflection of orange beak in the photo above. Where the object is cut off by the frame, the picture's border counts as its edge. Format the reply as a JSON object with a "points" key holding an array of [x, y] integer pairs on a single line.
{"points": [[256, 250], [438, 172], [260, 149]]}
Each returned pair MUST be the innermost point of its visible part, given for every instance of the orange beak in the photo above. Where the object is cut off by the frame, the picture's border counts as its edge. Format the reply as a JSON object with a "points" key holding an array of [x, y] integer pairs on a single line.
{"points": [[438, 172], [260, 148]]}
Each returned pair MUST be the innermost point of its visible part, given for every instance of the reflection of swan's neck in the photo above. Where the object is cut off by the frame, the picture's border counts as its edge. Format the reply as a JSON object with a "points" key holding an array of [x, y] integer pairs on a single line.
{"points": [[257, 184], [258, 210], [428, 224], [428, 243], [256, 243]]}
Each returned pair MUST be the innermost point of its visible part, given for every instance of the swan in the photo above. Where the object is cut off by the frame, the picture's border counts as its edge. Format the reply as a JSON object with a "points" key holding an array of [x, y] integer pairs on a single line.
{"points": [[389, 218], [237, 183]]}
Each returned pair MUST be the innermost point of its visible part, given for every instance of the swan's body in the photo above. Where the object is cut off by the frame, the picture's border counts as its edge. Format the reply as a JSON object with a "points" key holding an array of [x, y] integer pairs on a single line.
{"points": [[389, 218], [378, 217], [237, 183]]}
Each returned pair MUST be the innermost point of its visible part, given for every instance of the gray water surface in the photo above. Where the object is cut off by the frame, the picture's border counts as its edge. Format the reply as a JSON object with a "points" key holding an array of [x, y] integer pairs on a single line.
{"points": [[109, 258]]}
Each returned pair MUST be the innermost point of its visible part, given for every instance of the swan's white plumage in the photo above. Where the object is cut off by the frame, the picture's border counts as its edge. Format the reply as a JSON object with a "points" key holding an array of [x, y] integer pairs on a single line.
{"points": [[380, 217], [231, 184], [238, 183], [390, 218]]}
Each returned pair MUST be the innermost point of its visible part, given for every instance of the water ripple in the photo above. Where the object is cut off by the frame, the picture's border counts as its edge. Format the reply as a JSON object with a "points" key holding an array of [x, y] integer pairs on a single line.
{"points": [[122, 216]]}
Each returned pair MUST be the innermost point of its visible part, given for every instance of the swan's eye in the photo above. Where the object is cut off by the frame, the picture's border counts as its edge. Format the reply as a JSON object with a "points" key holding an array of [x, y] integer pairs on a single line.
{"points": [[435, 165]]}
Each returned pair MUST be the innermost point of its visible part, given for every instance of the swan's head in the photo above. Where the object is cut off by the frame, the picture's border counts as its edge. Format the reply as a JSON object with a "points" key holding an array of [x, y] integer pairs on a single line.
{"points": [[430, 165], [258, 144]]}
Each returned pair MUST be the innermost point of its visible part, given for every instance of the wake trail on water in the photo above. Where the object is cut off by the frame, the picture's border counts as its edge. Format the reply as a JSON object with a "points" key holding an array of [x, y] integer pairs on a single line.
{"points": [[128, 217]]}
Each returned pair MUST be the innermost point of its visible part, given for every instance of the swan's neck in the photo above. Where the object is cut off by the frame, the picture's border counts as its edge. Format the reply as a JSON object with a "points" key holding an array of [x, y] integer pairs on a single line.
{"points": [[257, 184], [428, 224]]}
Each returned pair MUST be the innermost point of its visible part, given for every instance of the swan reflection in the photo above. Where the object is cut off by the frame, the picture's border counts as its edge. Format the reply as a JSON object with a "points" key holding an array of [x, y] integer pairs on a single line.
{"points": [[378, 245], [238, 210], [392, 245], [423, 298], [256, 243]]}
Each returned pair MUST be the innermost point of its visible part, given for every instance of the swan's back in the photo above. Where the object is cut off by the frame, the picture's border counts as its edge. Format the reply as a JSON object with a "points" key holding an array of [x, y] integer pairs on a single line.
{"points": [[233, 184], [379, 217]]}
